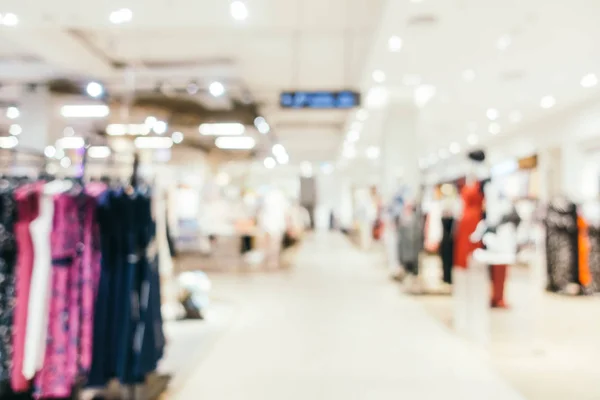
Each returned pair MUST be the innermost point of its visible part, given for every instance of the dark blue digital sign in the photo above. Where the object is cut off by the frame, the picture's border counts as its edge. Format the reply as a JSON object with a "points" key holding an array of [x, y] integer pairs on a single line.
{"points": [[320, 100]]}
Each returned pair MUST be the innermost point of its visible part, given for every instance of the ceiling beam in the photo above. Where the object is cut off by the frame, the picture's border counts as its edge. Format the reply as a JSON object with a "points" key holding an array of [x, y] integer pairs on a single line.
{"points": [[61, 49]]}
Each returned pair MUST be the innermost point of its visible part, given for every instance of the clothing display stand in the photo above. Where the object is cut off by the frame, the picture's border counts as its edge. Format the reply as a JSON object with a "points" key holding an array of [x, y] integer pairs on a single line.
{"points": [[471, 298]]}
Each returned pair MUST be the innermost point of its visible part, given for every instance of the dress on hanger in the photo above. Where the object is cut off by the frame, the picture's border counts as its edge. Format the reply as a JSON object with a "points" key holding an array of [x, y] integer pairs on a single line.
{"points": [[27, 209], [472, 197], [447, 247], [39, 295]]}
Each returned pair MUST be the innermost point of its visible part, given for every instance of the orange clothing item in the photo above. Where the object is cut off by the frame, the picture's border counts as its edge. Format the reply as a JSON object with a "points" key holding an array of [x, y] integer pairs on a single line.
{"points": [[583, 242], [472, 198]]}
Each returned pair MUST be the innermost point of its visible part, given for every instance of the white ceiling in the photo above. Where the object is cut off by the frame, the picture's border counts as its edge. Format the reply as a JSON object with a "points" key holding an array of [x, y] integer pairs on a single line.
{"points": [[283, 45], [333, 44], [553, 45]]}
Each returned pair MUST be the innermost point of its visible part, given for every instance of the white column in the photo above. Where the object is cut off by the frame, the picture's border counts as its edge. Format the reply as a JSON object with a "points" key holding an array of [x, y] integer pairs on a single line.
{"points": [[571, 171], [400, 151], [35, 119]]}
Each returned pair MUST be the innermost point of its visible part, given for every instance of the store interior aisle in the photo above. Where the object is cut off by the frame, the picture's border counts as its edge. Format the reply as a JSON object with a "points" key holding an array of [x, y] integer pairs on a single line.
{"points": [[334, 327]]}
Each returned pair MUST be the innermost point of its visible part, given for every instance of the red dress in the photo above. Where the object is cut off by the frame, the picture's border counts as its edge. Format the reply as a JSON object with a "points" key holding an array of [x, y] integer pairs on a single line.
{"points": [[472, 198]]}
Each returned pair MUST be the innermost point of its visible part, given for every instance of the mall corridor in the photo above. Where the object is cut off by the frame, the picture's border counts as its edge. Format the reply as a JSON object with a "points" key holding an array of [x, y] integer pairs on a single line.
{"points": [[334, 327]]}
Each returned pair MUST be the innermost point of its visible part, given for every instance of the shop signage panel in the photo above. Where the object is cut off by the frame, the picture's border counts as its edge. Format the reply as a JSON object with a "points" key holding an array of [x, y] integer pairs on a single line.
{"points": [[320, 100]]}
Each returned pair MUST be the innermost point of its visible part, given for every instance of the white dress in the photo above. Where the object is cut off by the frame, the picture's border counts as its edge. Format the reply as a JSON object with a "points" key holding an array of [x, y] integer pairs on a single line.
{"points": [[39, 297]]}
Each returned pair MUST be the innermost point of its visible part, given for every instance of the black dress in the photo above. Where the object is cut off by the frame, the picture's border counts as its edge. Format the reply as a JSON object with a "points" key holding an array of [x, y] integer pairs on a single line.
{"points": [[447, 248]]}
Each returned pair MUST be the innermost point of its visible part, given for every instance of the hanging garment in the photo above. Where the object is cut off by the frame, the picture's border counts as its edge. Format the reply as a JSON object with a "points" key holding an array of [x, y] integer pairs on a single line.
{"points": [[447, 248], [410, 241], [8, 256], [594, 259], [583, 244], [69, 346], [39, 294], [27, 198], [472, 197], [562, 250]]}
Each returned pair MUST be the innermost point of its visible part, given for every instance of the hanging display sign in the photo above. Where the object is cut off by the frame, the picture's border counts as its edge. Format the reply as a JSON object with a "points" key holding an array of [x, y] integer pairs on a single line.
{"points": [[528, 162], [320, 100]]}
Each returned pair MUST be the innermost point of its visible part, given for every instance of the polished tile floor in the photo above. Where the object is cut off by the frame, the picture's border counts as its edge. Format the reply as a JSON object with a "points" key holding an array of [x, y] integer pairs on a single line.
{"points": [[333, 327]]}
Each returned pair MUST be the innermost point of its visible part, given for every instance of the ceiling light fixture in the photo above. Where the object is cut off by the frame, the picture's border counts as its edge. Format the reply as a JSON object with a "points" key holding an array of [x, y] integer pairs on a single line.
{"points": [[492, 114], [50, 151], [126, 129], [150, 121], [353, 136], [8, 142], [85, 111], [9, 19], [121, 16], [395, 43], [12, 113], [94, 89], [235, 143], [468, 75], [515, 117], [503, 42], [15, 129], [494, 128], [153, 142], [589, 80], [99, 152], [238, 10], [455, 148], [547, 102], [278, 149], [160, 127], [192, 88], [377, 97], [216, 89], [373, 152], [177, 137], [270, 163], [72, 142], [423, 94], [222, 129], [261, 124], [378, 76], [472, 139], [65, 162]]}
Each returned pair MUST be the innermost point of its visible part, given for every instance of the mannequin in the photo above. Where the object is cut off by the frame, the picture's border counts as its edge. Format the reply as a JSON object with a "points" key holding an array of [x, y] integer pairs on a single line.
{"points": [[473, 198], [498, 233]]}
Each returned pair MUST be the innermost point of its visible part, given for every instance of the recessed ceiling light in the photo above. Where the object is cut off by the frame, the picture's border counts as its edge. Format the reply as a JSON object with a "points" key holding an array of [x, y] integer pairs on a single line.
{"points": [[153, 142], [177, 137], [515, 117], [121, 16], [353, 136], [15, 129], [423, 94], [94, 89], [395, 43], [85, 111], [589, 80], [468, 75], [377, 97], [12, 113], [99, 151], [235, 142], [261, 124], [50, 151], [238, 10], [503, 42], [455, 148], [222, 129], [160, 127], [379, 76], [547, 102], [270, 163], [472, 139], [494, 128], [492, 114], [65, 162], [216, 89], [9, 19]]}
